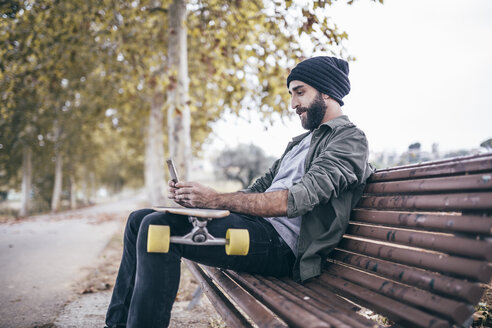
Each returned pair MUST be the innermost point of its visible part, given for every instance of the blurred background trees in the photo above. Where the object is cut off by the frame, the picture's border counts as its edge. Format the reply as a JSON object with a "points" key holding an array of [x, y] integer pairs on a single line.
{"points": [[243, 164], [88, 88]]}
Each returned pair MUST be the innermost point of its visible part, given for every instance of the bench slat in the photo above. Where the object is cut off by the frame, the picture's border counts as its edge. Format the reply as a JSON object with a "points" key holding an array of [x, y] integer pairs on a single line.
{"points": [[460, 159], [324, 294], [438, 242], [433, 282], [446, 308], [452, 167], [444, 222], [440, 202], [480, 181], [390, 308], [473, 269], [256, 312], [332, 316], [299, 294], [286, 310], [221, 303]]}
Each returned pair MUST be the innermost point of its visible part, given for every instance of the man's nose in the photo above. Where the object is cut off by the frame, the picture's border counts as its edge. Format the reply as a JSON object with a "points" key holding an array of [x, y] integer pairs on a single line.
{"points": [[294, 103]]}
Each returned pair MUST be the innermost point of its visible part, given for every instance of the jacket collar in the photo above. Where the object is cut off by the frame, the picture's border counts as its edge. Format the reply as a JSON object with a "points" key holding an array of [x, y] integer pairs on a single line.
{"points": [[332, 124], [337, 121], [300, 137]]}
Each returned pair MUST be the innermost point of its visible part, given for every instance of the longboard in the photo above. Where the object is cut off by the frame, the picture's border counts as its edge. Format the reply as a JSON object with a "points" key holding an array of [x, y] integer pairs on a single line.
{"points": [[159, 237], [197, 212]]}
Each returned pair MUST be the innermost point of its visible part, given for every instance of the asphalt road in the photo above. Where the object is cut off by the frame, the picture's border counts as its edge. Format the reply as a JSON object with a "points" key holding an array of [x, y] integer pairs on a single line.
{"points": [[41, 259]]}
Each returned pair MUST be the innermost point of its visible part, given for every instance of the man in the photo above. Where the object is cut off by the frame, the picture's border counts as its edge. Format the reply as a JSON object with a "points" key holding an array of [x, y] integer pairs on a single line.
{"points": [[296, 213]]}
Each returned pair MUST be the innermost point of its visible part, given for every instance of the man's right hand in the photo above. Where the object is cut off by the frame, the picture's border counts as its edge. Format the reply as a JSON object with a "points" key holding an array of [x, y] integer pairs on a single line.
{"points": [[192, 194], [172, 191]]}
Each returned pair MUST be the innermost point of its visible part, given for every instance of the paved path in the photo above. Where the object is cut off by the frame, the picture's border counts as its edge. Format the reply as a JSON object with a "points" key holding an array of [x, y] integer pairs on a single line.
{"points": [[41, 259]]}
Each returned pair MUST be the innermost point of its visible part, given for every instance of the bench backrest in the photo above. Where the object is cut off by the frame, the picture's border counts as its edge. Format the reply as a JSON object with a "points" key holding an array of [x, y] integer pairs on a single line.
{"points": [[418, 248]]}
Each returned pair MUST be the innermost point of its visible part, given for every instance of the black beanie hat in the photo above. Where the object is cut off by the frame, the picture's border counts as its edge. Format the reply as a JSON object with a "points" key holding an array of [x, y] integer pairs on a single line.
{"points": [[328, 75]]}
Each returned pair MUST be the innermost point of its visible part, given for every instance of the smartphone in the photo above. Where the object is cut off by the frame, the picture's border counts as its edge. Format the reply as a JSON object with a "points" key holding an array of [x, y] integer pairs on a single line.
{"points": [[172, 170]]}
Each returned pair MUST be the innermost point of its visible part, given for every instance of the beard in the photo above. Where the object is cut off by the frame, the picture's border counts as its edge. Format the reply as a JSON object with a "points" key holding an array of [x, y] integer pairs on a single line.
{"points": [[314, 113]]}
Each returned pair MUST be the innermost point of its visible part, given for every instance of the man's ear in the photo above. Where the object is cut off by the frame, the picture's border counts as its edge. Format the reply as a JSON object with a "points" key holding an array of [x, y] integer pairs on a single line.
{"points": [[325, 96]]}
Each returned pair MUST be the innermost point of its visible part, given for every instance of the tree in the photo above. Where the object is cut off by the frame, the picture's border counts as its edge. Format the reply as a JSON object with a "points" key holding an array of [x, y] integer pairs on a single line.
{"points": [[244, 164], [241, 52], [487, 144], [78, 75], [47, 53], [18, 115], [179, 119]]}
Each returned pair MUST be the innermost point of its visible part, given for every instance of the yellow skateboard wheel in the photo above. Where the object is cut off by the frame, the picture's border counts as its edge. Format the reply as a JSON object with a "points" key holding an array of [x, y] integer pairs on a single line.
{"points": [[158, 239], [237, 242]]}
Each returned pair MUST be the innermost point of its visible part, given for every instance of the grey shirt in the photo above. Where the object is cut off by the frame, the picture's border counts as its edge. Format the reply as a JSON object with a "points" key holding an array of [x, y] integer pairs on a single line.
{"points": [[290, 172]]}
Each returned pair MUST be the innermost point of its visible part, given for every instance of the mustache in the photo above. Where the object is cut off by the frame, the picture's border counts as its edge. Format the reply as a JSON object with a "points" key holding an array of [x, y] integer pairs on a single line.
{"points": [[300, 110]]}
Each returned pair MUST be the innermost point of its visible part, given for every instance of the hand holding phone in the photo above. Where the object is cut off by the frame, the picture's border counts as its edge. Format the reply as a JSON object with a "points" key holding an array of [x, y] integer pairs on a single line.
{"points": [[172, 170]]}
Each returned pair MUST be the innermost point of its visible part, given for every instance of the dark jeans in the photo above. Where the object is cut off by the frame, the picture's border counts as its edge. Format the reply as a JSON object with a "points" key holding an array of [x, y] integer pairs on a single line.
{"points": [[147, 283]]}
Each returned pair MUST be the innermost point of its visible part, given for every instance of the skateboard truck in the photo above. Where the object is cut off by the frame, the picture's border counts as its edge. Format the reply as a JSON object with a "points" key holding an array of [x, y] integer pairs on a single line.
{"points": [[236, 241], [199, 234]]}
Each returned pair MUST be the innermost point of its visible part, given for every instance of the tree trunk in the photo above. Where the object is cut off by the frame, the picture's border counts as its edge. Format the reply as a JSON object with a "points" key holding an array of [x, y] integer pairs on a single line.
{"points": [[73, 195], [85, 187], [26, 181], [93, 187], [178, 111], [57, 188], [154, 151]]}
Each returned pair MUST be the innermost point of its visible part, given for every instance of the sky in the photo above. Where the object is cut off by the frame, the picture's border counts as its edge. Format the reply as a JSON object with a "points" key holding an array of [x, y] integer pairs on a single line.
{"points": [[423, 74]]}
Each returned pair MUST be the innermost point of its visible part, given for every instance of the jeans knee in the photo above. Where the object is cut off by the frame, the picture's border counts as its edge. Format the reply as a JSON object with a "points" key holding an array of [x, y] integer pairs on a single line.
{"points": [[178, 224], [152, 218], [135, 220]]}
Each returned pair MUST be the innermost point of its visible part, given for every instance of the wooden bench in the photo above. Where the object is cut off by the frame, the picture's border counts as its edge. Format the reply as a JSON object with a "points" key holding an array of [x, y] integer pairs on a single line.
{"points": [[417, 251]]}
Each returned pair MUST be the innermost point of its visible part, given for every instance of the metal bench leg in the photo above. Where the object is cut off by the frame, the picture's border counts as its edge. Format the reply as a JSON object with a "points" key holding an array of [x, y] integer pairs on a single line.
{"points": [[195, 298]]}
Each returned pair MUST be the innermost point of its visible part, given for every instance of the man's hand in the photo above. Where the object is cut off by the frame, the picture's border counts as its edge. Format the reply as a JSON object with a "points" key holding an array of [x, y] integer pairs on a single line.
{"points": [[192, 194]]}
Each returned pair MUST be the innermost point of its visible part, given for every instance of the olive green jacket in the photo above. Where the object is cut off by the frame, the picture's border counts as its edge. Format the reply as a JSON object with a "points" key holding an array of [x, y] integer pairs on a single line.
{"points": [[336, 171]]}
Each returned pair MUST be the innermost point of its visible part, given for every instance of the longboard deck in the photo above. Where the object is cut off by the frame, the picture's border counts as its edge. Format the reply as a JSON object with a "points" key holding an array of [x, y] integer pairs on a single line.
{"points": [[198, 212]]}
